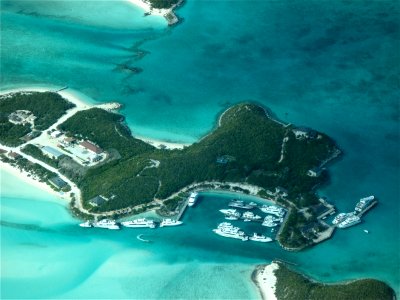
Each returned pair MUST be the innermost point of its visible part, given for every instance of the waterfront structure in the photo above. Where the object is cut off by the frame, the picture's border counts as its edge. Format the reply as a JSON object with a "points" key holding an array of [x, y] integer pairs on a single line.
{"points": [[58, 182], [314, 172]]}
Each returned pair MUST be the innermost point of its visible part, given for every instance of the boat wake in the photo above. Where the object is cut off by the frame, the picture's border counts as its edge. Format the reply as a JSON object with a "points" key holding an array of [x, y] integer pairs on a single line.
{"points": [[139, 237]]}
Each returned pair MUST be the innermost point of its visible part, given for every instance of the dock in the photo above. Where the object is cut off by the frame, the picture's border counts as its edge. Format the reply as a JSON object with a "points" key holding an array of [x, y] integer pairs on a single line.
{"points": [[183, 209]]}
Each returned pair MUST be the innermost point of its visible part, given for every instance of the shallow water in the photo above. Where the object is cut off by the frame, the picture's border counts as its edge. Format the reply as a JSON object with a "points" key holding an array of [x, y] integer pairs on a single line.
{"points": [[331, 66]]}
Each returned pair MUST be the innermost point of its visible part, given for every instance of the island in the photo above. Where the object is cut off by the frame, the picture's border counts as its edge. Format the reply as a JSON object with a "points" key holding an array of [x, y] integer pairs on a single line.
{"points": [[278, 281], [90, 155], [163, 8]]}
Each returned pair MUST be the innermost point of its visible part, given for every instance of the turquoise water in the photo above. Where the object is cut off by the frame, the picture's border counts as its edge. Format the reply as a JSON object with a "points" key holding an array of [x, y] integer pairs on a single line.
{"points": [[333, 66]]}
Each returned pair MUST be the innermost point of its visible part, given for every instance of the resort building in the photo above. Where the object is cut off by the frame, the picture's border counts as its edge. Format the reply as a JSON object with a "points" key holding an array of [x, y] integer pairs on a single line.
{"points": [[91, 147], [22, 117], [68, 141], [56, 134], [58, 182], [280, 190], [304, 133], [51, 152], [97, 201]]}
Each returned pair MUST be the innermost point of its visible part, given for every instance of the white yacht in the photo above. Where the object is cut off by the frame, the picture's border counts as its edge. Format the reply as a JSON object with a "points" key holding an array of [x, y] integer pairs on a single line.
{"points": [[249, 216], [231, 213], [108, 224], [241, 204], [260, 238], [192, 199], [170, 222], [273, 210], [269, 221], [86, 224], [364, 203], [139, 223], [231, 218], [228, 230], [350, 221], [341, 217]]}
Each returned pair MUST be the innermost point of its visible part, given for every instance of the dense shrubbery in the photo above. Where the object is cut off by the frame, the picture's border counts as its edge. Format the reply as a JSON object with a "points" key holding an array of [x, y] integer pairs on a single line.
{"points": [[107, 130], [47, 108], [10, 134], [250, 139], [293, 286], [38, 154], [163, 3]]}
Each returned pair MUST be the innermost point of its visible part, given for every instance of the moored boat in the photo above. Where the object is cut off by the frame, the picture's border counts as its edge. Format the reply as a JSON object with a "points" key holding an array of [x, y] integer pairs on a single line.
{"points": [[260, 238], [139, 223], [106, 223], [170, 222], [192, 199]]}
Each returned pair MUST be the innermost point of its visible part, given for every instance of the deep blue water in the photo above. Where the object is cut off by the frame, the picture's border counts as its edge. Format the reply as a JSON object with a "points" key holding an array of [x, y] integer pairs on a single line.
{"points": [[330, 65]]}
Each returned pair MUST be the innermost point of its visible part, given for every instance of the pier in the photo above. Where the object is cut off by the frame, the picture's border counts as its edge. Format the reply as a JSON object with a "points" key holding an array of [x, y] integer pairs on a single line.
{"points": [[61, 89], [183, 209]]}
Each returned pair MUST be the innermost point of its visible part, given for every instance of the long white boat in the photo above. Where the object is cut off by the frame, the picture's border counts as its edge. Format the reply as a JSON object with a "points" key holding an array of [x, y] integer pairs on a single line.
{"points": [[350, 221], [192, 199], [260, 238], [228, 230], [139, 223], [273, 210], [364, 203], [170, 222], [108, 224]]}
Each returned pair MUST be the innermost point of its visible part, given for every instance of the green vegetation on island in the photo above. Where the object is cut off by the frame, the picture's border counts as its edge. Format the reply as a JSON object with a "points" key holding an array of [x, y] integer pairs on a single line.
{"points": [[41, 111], [247, 147], [291, 285], [163, 3]]}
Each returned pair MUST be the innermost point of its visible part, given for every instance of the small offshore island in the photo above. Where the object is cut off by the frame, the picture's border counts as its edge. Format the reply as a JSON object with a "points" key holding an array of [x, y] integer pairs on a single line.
{"points": [[278, 281]]}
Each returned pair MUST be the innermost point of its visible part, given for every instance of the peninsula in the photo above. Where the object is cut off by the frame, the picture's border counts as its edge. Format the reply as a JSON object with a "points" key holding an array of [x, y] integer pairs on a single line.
{"points": [[278, 281], [90, 155], [163, 8]]}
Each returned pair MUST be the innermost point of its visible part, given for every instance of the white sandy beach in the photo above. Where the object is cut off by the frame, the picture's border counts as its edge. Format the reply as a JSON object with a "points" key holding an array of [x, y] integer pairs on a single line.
{"points": [[161, 144], [26, 177], [266, 280], [147, 8]]}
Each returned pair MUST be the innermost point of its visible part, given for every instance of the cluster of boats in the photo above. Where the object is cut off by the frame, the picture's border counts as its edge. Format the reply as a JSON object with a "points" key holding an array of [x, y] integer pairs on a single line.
{"points": [[226, 229], [233, 214], [344, 220], [138, 223], [241, 204]]}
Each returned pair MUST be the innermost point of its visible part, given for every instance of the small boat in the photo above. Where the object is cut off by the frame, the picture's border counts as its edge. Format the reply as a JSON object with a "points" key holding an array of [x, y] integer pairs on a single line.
{"points": [[170, 222], [366, 231]]}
